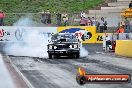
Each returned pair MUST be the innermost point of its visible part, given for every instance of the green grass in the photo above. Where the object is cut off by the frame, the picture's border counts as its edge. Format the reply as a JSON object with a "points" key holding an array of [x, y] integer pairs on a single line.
{"points": [[35, 6]]}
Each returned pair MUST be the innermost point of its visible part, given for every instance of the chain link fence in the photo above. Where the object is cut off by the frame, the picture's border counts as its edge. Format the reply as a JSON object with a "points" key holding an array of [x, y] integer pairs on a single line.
{"points": [[113, 20], [73, 18]]}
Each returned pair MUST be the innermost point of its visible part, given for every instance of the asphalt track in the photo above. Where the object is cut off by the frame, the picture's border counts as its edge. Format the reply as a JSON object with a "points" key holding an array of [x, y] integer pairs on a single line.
{"points": [[61, 72]]}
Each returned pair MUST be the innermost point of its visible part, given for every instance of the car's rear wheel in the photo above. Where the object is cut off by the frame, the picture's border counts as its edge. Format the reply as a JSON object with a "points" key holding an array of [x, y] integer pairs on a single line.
{"points": [[50, 56]]}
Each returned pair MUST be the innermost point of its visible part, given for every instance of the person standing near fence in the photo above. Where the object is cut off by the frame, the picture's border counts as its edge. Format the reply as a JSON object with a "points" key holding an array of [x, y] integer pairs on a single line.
{"points": [[43, 20], [94, 21], [102, 25], [130, 5], [2, 16], [48, 17], [88, 22], [58, 19], [83, 21], [65, 19], [120, 29], [83, 14], [127, 25], [108, 42]]}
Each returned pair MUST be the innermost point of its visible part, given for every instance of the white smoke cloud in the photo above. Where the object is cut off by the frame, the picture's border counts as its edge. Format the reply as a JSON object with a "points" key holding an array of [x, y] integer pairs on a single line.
{"points": [[34, 44], [83, 52], [25, 21]]}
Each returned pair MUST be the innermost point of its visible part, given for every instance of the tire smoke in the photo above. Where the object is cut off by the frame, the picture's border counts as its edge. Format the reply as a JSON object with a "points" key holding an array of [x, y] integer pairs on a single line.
{"points": [[34, 44], [83, 52]]}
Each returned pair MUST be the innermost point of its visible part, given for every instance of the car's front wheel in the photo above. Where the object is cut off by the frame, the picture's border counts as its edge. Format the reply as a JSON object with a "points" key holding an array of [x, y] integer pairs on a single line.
{"points": [[77, 55], [50, 56]]}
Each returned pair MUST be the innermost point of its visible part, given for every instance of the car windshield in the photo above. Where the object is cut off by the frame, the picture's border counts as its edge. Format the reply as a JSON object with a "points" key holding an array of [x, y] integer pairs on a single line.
{"points": [[64, 38]]}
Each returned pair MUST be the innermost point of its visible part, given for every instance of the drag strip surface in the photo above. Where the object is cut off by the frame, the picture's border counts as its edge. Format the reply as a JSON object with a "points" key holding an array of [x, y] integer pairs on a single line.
{"points": [[61, 73]]}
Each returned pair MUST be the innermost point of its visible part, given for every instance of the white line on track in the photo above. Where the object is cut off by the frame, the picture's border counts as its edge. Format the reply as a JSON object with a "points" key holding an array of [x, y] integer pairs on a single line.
{"points": [[23, 77], [5, 78]]}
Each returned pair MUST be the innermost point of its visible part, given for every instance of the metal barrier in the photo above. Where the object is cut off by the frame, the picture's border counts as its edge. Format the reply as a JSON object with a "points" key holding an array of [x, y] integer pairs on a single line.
{"points": [[113, 19]]}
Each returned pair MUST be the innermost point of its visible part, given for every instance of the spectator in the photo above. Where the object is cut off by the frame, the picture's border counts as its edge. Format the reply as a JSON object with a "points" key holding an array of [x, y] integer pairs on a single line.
{"points": [[65, 19], [120, 30], [89, 22], [48, 17], [108, 42], [130, 5], [83, 14], [102, 25], [83, 21], [121, 23], [2, 16], [58, 19], [97, 24], [127, 25], [93, 21], [43, 14]]}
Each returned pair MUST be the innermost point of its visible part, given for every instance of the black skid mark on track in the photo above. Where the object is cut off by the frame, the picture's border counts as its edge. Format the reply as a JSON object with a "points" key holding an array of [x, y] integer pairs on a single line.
{"points": [[115, 68], [38, 80]]}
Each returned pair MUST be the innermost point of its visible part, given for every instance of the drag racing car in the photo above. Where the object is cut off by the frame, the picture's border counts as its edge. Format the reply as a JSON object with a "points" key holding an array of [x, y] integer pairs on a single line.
{"points": [[64, 44]]}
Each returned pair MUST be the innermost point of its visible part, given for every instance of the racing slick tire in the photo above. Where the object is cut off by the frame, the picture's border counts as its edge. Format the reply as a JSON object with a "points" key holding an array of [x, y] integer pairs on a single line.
{"points": [[77, 55], [50, 56]]}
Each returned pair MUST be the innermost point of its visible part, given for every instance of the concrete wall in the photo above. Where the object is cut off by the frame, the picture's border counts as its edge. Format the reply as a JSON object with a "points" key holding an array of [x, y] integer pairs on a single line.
{"points": [[15, 33]]}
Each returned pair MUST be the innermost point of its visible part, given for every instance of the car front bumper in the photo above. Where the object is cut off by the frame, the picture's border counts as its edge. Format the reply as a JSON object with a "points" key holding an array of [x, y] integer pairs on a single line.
{"points": [[60, 52]]}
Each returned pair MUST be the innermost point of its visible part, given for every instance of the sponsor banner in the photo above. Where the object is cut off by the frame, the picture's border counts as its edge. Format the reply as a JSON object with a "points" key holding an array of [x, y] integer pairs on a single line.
{"points": [[99, 37], [17, 33], [87, 34]]}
